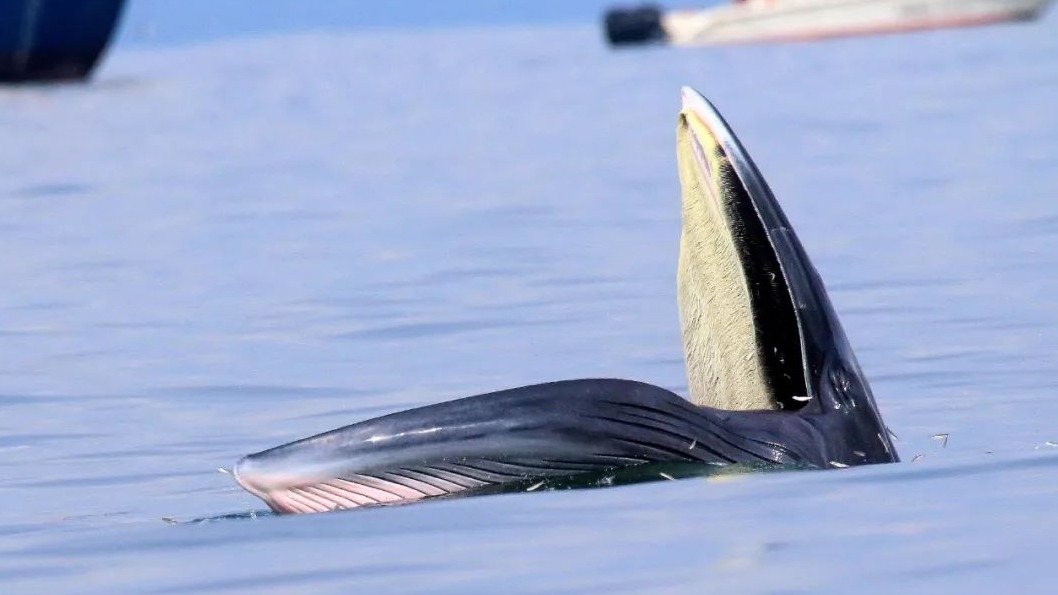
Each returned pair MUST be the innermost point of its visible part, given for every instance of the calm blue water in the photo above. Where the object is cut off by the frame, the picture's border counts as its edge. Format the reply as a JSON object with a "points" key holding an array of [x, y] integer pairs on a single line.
{"points": [[217, 248]]}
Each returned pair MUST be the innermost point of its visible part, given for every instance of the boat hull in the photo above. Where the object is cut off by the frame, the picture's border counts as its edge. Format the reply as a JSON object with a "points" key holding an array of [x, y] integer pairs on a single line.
{"points": [[754, 21], [54, 40]]}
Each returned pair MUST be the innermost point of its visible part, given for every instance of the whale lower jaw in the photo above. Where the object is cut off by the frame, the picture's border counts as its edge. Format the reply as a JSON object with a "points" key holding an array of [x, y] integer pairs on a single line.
{"points": [[532, 433]]}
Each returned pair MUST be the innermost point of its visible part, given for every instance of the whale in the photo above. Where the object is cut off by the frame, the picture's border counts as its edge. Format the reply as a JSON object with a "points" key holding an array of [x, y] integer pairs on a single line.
{"points": [[772, 379]]}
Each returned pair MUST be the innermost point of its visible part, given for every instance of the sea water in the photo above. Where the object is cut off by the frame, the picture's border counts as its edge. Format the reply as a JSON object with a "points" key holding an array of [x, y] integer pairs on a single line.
{"points": [[218, 247]]}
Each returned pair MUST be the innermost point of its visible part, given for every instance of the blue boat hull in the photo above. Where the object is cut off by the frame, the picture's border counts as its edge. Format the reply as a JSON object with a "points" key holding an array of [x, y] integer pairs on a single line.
{"points": [[54, 40]]}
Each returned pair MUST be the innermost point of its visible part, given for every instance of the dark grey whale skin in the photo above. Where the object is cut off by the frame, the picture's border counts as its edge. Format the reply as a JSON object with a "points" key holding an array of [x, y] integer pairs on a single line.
{"points": [[581, 426], [567, 427]]}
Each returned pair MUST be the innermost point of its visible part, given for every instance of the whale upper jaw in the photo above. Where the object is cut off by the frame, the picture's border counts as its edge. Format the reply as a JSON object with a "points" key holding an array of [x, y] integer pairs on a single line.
{"points": [[831, 385]]}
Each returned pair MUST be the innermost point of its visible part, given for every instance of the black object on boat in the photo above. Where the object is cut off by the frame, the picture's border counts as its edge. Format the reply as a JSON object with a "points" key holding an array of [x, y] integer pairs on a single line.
{"points": [[634, 25], [54, 40]]}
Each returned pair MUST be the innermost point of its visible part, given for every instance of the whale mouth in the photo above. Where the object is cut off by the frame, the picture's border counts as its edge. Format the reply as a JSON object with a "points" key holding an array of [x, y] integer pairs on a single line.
{"points": [[742, 333], [828, 417]]}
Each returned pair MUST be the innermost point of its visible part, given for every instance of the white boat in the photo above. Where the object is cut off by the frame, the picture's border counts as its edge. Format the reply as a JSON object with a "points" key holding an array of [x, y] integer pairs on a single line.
{"points": [[748, 21]]}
